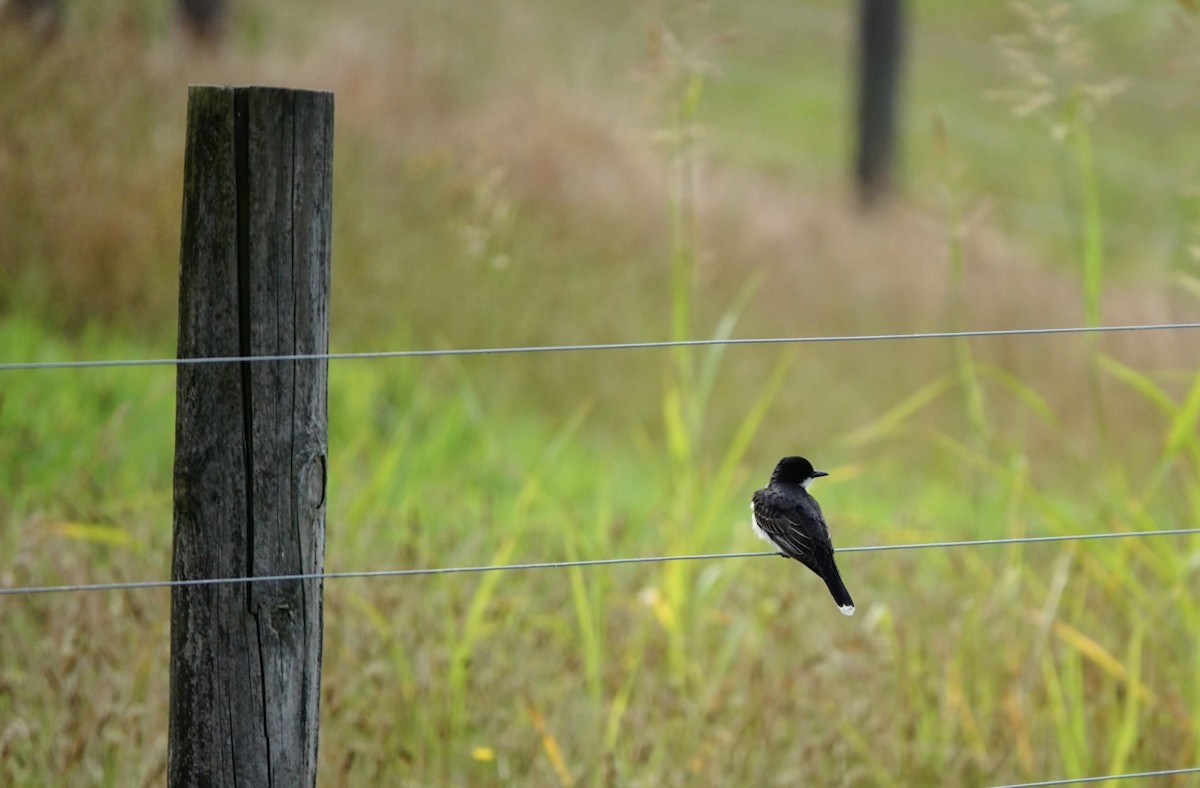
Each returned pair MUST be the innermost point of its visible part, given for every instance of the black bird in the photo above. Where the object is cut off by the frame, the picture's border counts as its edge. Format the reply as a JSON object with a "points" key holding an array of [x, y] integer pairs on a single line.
{"points": [[785, 515]]}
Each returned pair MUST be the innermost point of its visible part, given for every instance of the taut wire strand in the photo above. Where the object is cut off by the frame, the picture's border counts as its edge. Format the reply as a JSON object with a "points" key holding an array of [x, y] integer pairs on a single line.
{"points": [[450, 570], [1128, 776], [8, 366]]}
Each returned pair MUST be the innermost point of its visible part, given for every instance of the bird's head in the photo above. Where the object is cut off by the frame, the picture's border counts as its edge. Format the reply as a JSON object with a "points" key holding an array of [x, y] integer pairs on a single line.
{"points": [[795, 471]]}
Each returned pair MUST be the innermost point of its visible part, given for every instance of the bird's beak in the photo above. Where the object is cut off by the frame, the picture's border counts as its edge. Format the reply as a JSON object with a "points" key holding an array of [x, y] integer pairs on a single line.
{"points": [[819, 474]]}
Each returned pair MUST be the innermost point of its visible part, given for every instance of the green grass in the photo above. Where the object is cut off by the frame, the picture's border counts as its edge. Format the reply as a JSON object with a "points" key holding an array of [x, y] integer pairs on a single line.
{"points": [[968, 665], [503, 178]]}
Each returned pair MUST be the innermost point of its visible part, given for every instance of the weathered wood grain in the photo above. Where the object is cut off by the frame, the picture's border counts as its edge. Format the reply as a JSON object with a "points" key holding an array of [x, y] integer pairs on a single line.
{"points": [[251, 438]]}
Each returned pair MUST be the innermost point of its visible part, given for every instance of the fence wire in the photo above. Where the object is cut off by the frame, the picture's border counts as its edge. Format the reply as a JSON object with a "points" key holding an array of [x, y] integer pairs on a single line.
{"points": [[451, 570], [9, 366], [487, 351], [1127, 776]]}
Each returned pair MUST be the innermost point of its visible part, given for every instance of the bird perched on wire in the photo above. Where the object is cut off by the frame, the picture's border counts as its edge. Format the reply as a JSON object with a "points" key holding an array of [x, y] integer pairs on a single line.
{"points": [[785, 515]]}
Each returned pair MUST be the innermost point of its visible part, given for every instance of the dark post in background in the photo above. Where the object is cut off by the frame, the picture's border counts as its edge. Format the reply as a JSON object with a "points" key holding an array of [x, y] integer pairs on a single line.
{"points": [[251, 438], [880, 64]]}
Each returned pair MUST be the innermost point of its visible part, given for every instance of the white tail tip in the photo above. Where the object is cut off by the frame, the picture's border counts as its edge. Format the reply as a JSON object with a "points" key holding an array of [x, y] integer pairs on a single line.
{"points": [[847, 610]]}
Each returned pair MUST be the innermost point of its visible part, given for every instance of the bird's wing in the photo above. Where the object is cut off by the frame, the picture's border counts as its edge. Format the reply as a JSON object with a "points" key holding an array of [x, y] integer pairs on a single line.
{"points": [[790, 528]]}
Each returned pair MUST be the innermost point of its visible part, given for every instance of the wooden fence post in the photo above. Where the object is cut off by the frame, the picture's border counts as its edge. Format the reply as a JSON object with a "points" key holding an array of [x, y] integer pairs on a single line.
{"points": [[880, 63], [251, 438]]}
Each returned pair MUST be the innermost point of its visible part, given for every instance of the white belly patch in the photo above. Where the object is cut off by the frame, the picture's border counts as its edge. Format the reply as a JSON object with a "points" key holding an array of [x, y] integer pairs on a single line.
{"points": [[758, 531]]}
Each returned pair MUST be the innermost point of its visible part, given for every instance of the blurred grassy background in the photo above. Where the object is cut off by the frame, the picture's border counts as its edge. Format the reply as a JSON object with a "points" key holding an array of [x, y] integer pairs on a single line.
{"points": [[507, 175]]}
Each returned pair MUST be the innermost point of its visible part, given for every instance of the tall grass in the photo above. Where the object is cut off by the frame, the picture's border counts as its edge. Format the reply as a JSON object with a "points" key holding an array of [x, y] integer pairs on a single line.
{"points": [[968, 666], [977, 664]]}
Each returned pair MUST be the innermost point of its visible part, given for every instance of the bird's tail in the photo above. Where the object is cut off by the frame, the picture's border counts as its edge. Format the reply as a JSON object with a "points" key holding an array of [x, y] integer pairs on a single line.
{"points": [[838, 589]]}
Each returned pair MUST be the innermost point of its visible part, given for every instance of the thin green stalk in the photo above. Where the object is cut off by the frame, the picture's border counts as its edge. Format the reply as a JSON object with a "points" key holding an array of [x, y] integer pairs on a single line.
{"points": [[968, 375], [469, 635], [1092, 259], [589, 617], [1126, 733], [1092, 227]]}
